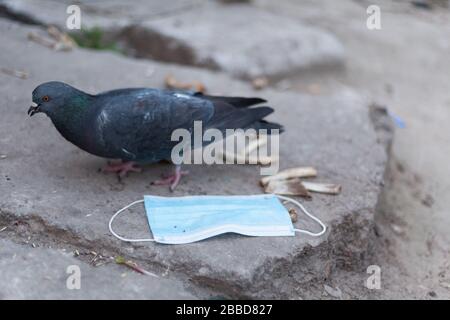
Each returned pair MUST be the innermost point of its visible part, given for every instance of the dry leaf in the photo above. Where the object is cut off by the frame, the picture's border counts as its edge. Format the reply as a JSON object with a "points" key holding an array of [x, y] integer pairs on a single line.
{"points": [[15, 73], [172, 83], [59, 41], [260, 83], [63, 40], [293, 215], [292, 187], [327, 188], [246, 159], [244, 155], [254, 144], [46, 42], [299, 172]]}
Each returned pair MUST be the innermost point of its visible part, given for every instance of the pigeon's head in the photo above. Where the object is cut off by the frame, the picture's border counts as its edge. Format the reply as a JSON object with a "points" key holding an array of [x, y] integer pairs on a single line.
{"points": [[51, 97]]}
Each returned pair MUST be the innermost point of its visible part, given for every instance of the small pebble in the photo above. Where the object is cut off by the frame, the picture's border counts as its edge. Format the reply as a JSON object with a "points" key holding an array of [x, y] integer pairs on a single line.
{"points": [[397, 229], [428, 201], [260, 83], [293, 215]]}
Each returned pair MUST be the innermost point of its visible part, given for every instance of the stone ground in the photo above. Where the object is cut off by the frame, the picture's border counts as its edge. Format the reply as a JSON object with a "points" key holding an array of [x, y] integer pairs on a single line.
{"points": [[59, 202], [401, 67], [44, 272], [417, 198], [176, 32], [74, 203]]}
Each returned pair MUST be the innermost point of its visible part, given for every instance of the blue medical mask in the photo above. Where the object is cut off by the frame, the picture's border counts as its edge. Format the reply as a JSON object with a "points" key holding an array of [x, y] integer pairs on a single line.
{"points": [[178, 220]]}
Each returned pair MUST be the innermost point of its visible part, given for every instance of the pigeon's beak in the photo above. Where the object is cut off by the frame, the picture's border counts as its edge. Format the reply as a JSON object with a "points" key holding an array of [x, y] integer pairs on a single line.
{"points": [[34, 109]]}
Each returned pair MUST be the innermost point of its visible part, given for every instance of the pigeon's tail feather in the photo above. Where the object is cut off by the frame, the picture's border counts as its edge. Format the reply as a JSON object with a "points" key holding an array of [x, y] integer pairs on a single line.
{"points": [[261, 112], [269, 126], [237, 102], [228, 117]]}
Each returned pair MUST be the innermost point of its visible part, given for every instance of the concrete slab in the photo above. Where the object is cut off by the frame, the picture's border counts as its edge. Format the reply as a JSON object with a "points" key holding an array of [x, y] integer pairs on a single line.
{"points": [[106, 14], [252, 42], [54, 189], [39, 273]]}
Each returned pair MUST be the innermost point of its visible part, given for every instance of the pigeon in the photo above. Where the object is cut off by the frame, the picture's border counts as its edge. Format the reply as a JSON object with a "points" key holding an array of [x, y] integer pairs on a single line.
{"points": [[134, 125]]}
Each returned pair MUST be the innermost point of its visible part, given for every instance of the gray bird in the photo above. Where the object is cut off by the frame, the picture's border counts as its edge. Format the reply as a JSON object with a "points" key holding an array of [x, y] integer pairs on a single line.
{"points": [[135, 125]]}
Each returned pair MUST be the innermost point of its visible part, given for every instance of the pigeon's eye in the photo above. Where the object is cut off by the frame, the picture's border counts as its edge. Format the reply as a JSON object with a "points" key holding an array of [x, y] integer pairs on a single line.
{"points": [[45, 98]]}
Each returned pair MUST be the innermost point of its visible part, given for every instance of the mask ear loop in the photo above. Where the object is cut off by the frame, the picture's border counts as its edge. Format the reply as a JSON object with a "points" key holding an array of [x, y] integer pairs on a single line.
{"points": [[120, 237], [298, 204]]}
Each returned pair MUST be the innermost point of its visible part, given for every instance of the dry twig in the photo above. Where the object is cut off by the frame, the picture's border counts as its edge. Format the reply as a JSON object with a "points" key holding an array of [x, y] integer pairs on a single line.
{"points": [[132, 265]]}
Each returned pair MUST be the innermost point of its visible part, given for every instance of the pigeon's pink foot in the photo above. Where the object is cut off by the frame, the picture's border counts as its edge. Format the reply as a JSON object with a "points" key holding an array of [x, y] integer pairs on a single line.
{"points": [[171, 180], [122, 168]]}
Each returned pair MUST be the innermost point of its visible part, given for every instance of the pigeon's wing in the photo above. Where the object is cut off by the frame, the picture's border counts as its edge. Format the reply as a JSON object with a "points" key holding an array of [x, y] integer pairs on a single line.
{"points": [[137, 124], [234, 112], [237, 102]]}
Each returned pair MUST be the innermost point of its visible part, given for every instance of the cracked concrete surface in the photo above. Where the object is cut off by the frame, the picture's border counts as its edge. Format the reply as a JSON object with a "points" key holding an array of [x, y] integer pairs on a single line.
{"points": [[42, 273], [403, 67], [57, 196], [252, 42]]}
